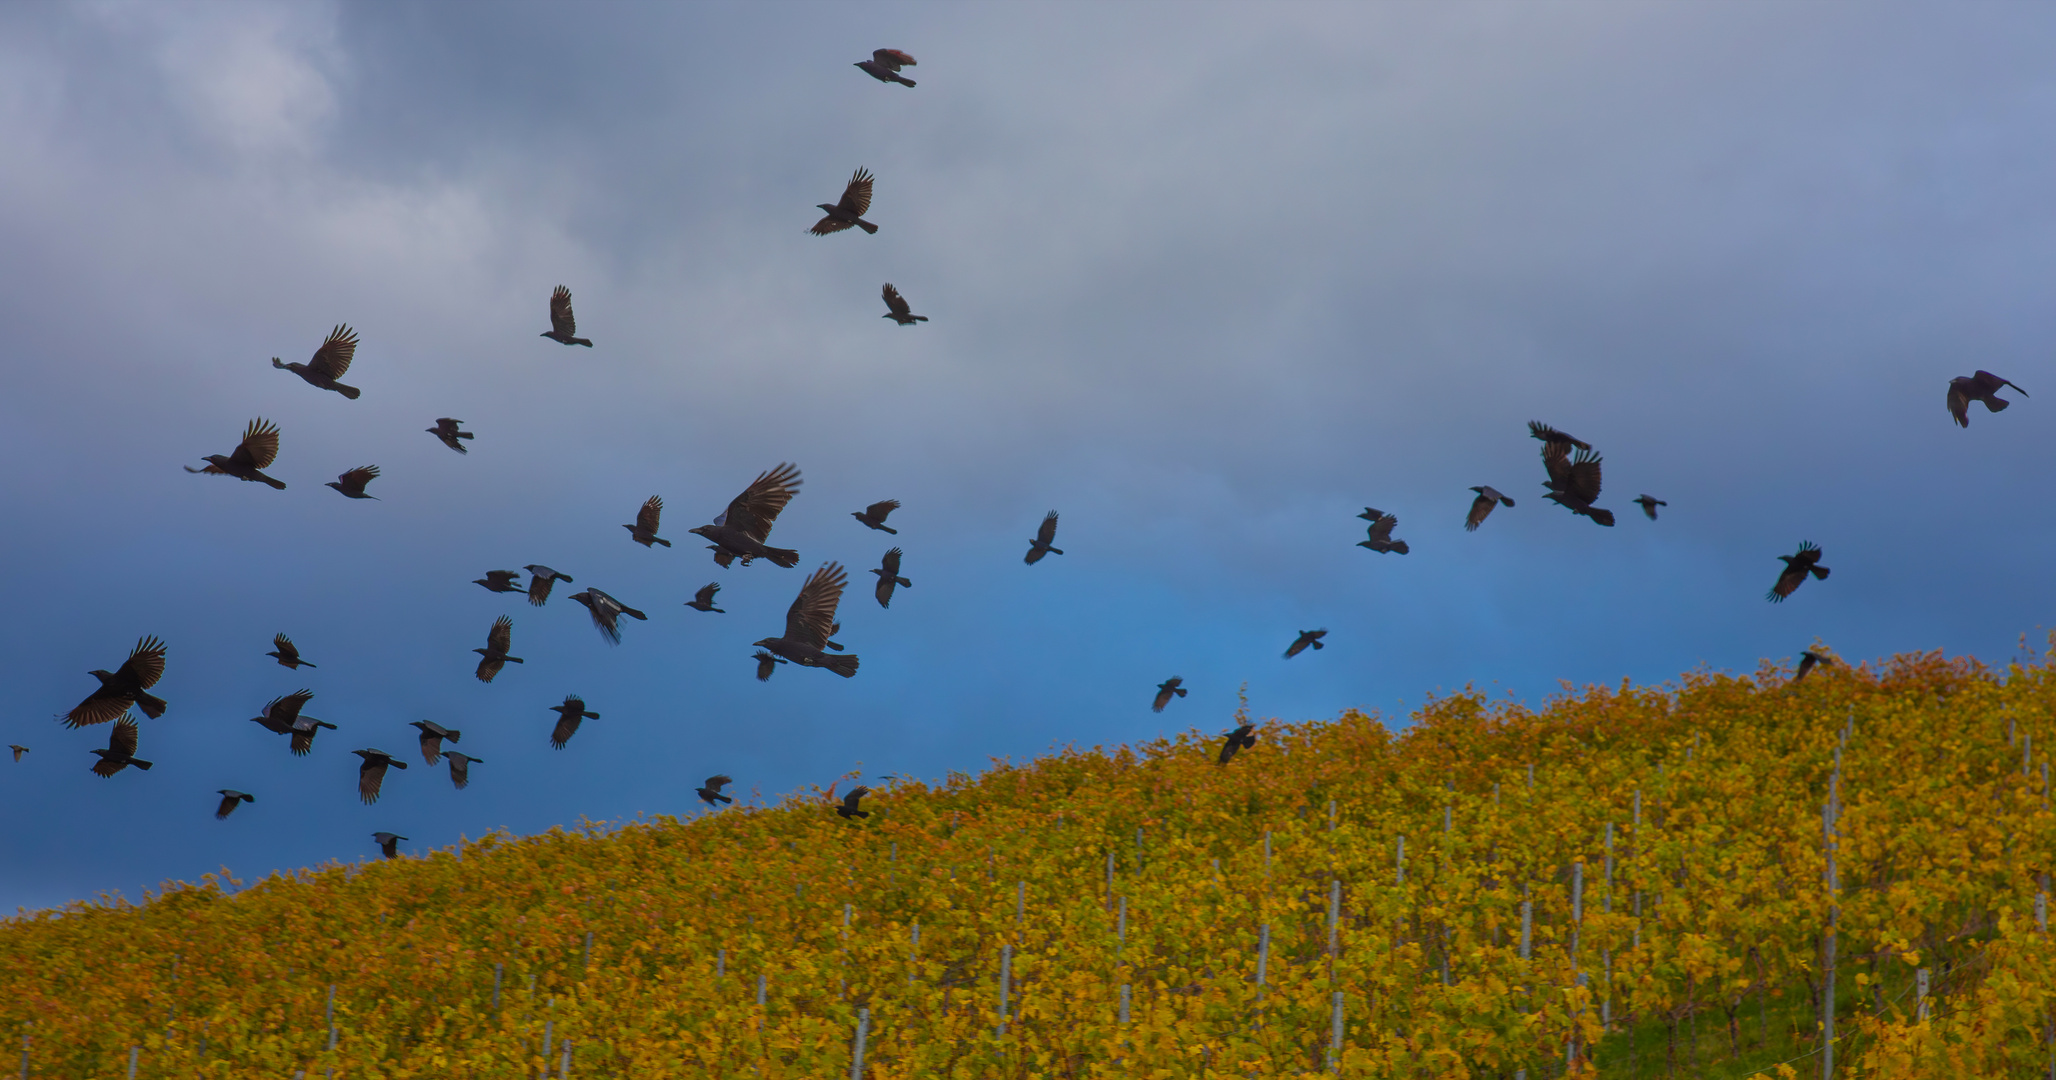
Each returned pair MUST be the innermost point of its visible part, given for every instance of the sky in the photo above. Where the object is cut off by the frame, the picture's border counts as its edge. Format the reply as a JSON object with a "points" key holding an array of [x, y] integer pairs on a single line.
{"points": [[1206, 279]]}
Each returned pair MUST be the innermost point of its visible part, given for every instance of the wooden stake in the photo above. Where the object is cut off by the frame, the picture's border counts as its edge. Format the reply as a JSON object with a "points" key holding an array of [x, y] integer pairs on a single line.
{"points": [[857, 1052], [1006, 972]]}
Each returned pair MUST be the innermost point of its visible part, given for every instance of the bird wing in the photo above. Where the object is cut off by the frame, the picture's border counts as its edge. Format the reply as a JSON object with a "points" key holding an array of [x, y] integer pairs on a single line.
{"points": [[895, 301], [431, 745], [1381, 529], [561, 319], [259, 447], [1550, 435], [647, 517], [1959, 402], [891, 563], [1047, 533], [849, 801], [369, 776], [856, 198], [284, 645], [1556, 460], [1991, 383], [892, 58], [758, 506], [284, 710], [812, 616], [1481, 508], [501, 637], [716, 783], [1583, 478], [1788, 580], [460, 770], [123, 740], [567, 726], [877, 511], [356, 478], [539, 588], [228, 803], [145, 663], [706, 593], [332, 360], [830, 225]]}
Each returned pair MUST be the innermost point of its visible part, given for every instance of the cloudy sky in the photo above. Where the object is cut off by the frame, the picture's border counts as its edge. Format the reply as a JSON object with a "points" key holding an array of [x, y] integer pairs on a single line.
{"points": [[1206, 279]]}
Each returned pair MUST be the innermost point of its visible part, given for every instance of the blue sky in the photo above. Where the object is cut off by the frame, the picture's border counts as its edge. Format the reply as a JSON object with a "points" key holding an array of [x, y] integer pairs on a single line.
{"points": [[1207, 285]]}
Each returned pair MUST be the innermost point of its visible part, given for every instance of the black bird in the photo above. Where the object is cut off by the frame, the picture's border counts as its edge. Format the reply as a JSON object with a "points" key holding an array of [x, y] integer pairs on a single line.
{"points": [[388, 843], [741, 530], [1306, 638], [287, 656], [494, 656], [704, 599], [885, 64], [1044, 536], [230, 799], [123, 687], [873, 516], [1808, 659], [888, 576], [849, 210], [897, 309], [607, 612], [1796, 569], [1481, 507], [644, 531], [810, 622], [500, 580], [330, 362], [1649, 504], [352, 483], [252, 456], [711, 794], [540, 580], [432, 736], [1574, 481], [1238, 739], [446, 429], [569, 716], [563, 327], [372, 773], [282, 716], [1380, 534], [121, 750], [18, 749], [1983, 386], [848, 808], [1556, 438], [766, 664], [460, 768], [1166, 690]]}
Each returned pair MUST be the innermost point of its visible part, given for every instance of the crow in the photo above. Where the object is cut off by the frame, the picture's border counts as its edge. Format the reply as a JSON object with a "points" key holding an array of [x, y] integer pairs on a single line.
{"points": [[1649, 504], [704, 599], [123, 687], [281, 715], [873, 516], [494, 656], [885, 64], [230, 799], [644, 531], [1808, 659], [740, 530], [258, 449], [563, 327], [287, 656], [372, 773], [1556, 438], [352, 483], [1983, 386], [1044, 536], [499, 580], [607, 612], [569, 715], [1306, 638], [432, 736], [848, 808], [121, 750], [766, 664], [811, 621], [711, 794], [330, 362], [1574, 481], [1380, 537], [18, 749], [460, 768], [539, 581], [1481, 507], [388, 843], [888, 576], [1238, 739], [446, 429], [850, 210], [1796, 569], [1166, 690], [897, 309]]}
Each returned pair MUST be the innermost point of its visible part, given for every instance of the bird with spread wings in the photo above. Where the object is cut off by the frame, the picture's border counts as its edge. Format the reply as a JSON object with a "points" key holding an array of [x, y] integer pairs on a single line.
{"points": [[741, 530], [811, 620], [330, 362], [849, 210], [251, 457]]}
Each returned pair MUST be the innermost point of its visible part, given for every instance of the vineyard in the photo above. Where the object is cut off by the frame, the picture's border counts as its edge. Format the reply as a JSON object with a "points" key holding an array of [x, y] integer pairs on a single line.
{"points": [[1637, 881]]}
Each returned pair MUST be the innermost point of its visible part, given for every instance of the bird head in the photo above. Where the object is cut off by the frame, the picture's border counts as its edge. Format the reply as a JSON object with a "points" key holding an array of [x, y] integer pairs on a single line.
{"points": [[334, 485], [764, 643], [700, 530], [829, 207], [218, 460]]}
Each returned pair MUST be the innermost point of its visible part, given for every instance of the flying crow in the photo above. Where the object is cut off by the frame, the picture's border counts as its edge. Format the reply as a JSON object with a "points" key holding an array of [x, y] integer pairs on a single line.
{"points": [[569, 716], [352, 483], [711, 793], [446, 429], [1481, 507], [1983, 386], [1306, 638], [18, 749], [873, 516], [258, 450], [499, 580], [460, 768], [766, 664], [1238, 739], [1166, 690], [287, 656], [230, 799], [432, 736], [888, 576], [704, 599], [811, 621], [372, 773], [1796, 569], [1554, 437], [121, 750], [1380, 535], [1574, 481], [388, 843], [740, 530], [539, 581], [494, 656], [849, 210], [282, 716], [848, 808], [331, 362], [123, 687], [1649, 504], [885, 64], [1045, 535], [563, 327], [607, 612], [1808, 659], [897, 309], [644, 531]]}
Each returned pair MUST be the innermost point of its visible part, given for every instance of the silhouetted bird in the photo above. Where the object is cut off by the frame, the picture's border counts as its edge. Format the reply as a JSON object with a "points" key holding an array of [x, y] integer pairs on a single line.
{"points": [[849, 210], [711, 793], [873, 516], [888, 576], [1574, 481], [1556, 438], [330, 362], [446, 429], [123, 687], [18, 749], [282, 715], [885, 64], [741, 530], [569, 716], [607, 612], [704, 599], [1796, 569], [811, 621], [1044, 536], [897, 309], [230, 799], [460, 768], [1481, 507], [372, 773], [352, 483], [500, 580], [848, 808], [644, 531], [1380, 534], [1238, 739], [494, 656], [121, 750], [1808, 659], [1983, 386], [287, 656], [1649, 503], [1305, 638], [766, 664], [563, 327], [257, 451], [539, 581], [1166, 690], [432, 736], [389, 843]]}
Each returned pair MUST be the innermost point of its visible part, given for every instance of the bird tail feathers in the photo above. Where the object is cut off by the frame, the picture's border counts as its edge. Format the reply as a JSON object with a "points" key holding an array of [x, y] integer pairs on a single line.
{"points": [[867, 226], [845, 666], [140, 764], [1602, 516], [1996, 404], [661, 540], [152, 705], [785, 557], [1399, 546], [276, 484], [1820, 572], [350, 392]]}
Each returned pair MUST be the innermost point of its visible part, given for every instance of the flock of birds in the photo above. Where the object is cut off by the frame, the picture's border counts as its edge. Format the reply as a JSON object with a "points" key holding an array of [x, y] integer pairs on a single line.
{"points": [[740, 533]]}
